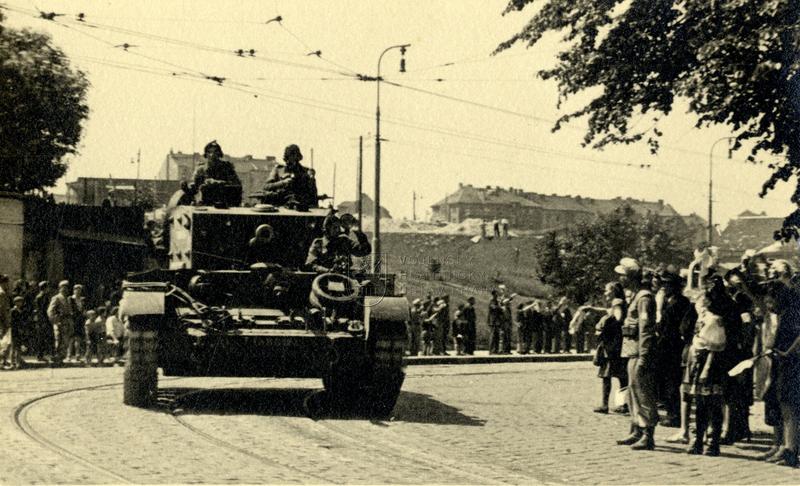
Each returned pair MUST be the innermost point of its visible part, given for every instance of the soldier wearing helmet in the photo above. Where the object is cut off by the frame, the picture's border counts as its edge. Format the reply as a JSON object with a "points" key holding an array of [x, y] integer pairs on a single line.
{"points": [[216, 180], [339, 242], [292, 184]]}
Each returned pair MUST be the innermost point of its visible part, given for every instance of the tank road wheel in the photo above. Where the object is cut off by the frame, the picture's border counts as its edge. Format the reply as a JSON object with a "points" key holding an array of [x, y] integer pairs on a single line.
{"points": [[141, 366], [385, 323]]}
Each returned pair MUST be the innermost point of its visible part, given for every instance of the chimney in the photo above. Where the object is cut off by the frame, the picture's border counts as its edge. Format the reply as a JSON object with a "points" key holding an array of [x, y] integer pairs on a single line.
{"points": [[660, 202], [460, 185]]}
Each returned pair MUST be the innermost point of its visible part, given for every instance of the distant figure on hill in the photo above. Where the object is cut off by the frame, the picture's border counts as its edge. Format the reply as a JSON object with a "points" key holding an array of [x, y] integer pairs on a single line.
{"points": [[496, 227], [505, 224], [483, 229]]}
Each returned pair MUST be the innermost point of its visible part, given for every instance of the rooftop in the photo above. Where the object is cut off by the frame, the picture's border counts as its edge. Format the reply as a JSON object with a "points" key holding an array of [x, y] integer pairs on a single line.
{"points": [[469, 194]]}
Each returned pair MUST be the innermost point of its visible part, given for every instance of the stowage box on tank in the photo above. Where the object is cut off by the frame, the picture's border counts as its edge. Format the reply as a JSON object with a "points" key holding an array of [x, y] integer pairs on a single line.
{"points": [[236, 300]]}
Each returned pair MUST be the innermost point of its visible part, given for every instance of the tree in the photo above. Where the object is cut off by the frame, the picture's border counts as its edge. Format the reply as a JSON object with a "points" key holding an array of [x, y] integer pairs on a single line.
{"points": [[42, 106], [578, 261], [735, 61]]}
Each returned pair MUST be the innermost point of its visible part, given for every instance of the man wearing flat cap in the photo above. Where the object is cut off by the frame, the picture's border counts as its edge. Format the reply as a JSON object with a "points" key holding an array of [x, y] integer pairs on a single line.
{"points": [[60, 313], [291, 184], [414, 327], [639, 346]]}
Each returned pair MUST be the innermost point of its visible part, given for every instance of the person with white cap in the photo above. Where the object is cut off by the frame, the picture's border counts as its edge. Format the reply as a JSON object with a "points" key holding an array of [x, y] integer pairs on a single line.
{"points": [[61, 317], [414, 327], [638, 345]]}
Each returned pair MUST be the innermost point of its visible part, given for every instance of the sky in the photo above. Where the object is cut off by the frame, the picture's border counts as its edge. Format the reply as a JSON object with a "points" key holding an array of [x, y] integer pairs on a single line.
{"points": [[461, 115]]}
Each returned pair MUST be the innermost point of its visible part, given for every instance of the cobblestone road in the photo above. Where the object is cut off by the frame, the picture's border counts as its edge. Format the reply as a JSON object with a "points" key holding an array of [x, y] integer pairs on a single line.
{"points": [[497, 423]]}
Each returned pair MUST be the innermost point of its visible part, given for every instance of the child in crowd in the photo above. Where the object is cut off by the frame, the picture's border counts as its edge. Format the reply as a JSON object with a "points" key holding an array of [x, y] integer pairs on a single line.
{"points": [[428, 331], [95, 332], [115, 332]]}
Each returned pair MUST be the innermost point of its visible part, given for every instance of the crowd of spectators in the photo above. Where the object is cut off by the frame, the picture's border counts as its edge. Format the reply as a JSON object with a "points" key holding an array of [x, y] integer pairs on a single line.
{"points": [[58, 327], [540, 326], [735, 337]]}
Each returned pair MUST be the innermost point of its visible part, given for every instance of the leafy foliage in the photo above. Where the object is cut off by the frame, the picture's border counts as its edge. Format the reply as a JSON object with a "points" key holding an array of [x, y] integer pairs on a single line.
{"points": [[42, 105], [737, 63], [578, 261]]}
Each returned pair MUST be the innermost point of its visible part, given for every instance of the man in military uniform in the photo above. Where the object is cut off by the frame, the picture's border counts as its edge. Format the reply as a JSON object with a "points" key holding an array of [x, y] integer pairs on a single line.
{"points": [[639, 345], [332, 252], [210, 179], [291, 184]]}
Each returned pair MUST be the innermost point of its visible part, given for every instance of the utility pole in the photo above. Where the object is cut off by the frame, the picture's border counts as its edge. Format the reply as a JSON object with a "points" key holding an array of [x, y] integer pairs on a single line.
{"points": [[333, 193], [312, 157], [359, 180], [136, 185], [711, 186], [414, 205], [376, 238]]}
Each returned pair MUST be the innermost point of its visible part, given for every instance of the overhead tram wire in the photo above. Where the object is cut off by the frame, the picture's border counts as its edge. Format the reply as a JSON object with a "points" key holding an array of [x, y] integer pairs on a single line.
{"points": [[319, 52], [178, 42], [350, 112], [347, 75], [534, 117]]}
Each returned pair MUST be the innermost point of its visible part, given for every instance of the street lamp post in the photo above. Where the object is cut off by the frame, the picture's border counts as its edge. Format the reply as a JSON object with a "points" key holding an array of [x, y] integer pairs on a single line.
{"points": [[711, 187], [376, 239]]}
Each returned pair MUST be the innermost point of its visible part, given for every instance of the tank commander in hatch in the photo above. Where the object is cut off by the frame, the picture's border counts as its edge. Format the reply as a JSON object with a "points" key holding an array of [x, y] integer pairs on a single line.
{"points": [[340, 241], [291, 184], [216, 180]]}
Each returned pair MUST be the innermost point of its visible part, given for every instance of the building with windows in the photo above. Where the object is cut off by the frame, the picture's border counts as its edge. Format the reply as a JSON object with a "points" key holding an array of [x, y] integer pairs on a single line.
{"points": [[533, 211], [92, 191]]}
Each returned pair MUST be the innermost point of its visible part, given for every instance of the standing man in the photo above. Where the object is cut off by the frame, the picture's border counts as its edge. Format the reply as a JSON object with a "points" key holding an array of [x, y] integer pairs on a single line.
{"points": [[639, 346], [414, 327], [44, 331], [561, 319], [60, 313], [78, 342], [507, 320], [676, 314], [494, 319], [469, 326], [446, 324], [524, 328]]}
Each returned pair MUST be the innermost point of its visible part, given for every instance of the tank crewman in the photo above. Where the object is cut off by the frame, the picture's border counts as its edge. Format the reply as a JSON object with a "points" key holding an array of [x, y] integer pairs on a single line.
{"points": [[216, 171], [291, 183], [333, 251]]}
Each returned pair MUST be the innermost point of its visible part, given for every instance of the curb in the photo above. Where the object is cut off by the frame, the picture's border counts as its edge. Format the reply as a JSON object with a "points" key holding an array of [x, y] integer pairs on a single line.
{"points": [[408, 360], [494, 358]]}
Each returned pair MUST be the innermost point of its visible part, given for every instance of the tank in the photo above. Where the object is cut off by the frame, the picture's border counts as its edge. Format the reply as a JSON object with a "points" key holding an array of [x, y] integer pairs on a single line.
{"points": [[234, 299]]}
